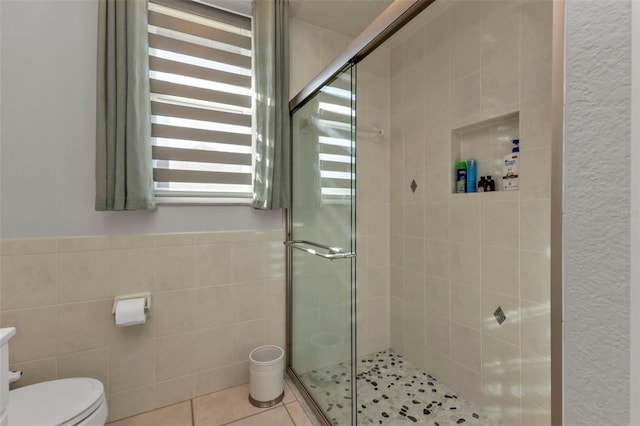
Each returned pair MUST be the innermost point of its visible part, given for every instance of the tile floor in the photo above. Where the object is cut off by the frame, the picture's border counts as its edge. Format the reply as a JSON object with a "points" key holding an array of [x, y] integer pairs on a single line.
{"points": [[391, 391], [227, 407]]}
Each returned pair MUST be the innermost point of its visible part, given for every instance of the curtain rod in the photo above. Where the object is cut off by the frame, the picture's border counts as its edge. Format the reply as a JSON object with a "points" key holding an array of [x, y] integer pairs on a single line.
{"points": [[384, 26]]}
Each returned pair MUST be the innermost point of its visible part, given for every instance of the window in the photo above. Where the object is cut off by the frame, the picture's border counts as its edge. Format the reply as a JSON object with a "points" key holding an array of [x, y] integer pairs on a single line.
{"points": [[201, 100]]}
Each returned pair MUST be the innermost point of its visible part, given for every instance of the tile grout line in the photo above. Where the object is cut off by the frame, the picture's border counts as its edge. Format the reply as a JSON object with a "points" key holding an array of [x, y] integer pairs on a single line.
{"points": [[289, 414], [264, 410]]}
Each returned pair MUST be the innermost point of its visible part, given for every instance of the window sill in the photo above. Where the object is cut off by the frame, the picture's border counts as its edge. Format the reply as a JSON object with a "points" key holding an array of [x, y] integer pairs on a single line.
{"points": [[202, 201]]}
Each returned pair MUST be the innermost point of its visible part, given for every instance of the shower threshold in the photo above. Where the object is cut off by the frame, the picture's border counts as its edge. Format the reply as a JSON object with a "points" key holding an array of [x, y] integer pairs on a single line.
{"points": [[391, 391]]}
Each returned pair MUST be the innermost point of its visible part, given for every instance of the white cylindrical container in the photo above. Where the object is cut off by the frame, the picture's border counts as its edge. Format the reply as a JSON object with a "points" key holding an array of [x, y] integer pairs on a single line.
{"points": [[327, 350], [266, 376], [326, 354]]}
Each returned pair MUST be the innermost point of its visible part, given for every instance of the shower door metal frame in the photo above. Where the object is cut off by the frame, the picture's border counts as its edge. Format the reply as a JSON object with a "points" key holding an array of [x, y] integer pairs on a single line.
{"points": [[399, 13], [557, 217]]}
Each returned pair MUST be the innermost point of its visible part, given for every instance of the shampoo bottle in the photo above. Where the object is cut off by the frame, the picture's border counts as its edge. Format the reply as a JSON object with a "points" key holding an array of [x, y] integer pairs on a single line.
{"points": [[489, 185], [471, 175], [481, 184], [461, 176], [510, 168]]}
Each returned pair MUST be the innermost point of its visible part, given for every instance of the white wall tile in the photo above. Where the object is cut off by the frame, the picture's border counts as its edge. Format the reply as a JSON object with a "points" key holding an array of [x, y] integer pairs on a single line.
{"points": [[397, 310], [532, 415], [414, 322], [501, 365], [465, 222], [36, 333], [486, 250], [466, 347], [28, 280], [500, 224], [437, 295], [437, 46], [176, 312], [132, 365], [246, 262], [465, 100], [82, 276], [414, 288], [535, 276], [438, 333], [174, 268], [175, 356], [436, 218], [500, 31], [83, 326], [414, 254], [414, 220], [466, 306], [535, 171], [501, 270], [212, 264], [509, 330], [33, 372], [465, 53], [535, 122], [130, 270], [467, 383], [536, 328], [535, 224], [499, 87], [536, 380], [465, 264]]}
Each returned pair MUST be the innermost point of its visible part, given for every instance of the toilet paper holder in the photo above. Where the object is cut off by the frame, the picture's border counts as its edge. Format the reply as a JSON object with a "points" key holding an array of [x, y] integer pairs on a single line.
{"points": [[147, 301]]}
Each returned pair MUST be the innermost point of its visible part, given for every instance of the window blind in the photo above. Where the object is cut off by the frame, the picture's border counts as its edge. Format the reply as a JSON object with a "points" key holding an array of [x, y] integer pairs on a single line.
{"points": [[201, 100], [335, 146]]}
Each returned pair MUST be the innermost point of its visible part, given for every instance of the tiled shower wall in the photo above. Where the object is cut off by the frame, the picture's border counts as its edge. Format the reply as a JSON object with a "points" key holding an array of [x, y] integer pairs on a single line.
{"points": [[311, 49], [455, 258], [372, 202], [214, 297]]}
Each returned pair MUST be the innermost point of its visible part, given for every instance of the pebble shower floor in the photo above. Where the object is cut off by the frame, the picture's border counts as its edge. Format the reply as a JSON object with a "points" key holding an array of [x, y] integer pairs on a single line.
{"points": [[391, 391]]}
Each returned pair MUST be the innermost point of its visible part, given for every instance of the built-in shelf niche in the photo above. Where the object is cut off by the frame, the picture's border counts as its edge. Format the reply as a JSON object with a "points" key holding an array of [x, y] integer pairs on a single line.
{"points": [[487, 142]]}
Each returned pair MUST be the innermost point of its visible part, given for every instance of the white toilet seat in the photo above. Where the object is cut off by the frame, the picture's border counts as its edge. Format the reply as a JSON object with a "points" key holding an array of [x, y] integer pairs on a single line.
{"points": [[77, 401]]}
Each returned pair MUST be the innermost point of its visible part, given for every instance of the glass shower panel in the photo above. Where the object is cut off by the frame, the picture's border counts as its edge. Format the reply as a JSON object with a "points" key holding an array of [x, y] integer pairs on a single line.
{"points": [[322, 247]]}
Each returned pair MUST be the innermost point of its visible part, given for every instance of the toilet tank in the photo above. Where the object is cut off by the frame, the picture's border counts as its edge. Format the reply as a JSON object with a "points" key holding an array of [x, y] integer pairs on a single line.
{"points": [[5, 335]]}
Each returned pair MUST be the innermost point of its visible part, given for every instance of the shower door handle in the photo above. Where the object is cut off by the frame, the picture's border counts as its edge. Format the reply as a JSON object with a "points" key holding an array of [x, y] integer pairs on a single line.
{"points": [[331, 253]]}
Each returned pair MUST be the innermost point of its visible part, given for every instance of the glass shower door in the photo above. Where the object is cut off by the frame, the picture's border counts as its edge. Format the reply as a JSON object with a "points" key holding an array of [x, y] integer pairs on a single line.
{"points": [[322, 249]]}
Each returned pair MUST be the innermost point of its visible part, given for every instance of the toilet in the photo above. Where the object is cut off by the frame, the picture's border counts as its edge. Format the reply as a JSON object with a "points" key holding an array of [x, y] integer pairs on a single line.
{"points": [[70, 402]]}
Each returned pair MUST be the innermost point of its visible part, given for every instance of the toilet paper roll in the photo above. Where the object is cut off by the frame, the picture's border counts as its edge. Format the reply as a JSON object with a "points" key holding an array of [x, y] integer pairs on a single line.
{"points": [[130, 312]]}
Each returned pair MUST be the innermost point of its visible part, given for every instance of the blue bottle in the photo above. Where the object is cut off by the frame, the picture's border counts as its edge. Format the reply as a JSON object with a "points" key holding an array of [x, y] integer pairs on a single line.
{"points": [[471, 175]]}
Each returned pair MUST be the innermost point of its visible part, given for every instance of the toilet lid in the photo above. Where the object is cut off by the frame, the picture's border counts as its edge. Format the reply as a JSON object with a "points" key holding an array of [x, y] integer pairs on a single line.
{"points": [[64, 401]]}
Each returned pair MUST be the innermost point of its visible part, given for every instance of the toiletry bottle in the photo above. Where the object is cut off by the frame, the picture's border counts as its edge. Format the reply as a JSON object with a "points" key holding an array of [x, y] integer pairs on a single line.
{"points": [[471, 175], [510, 168], [490, 185], [461, 176], [481, 184]]}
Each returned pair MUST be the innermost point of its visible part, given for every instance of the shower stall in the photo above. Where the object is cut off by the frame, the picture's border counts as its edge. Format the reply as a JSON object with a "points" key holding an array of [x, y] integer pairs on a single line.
{"points": [[407, 301]]}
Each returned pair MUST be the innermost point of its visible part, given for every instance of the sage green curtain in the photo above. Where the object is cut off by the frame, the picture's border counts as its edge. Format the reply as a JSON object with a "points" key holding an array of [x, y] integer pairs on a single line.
{"points": [[271, 68], [124, 172]]}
